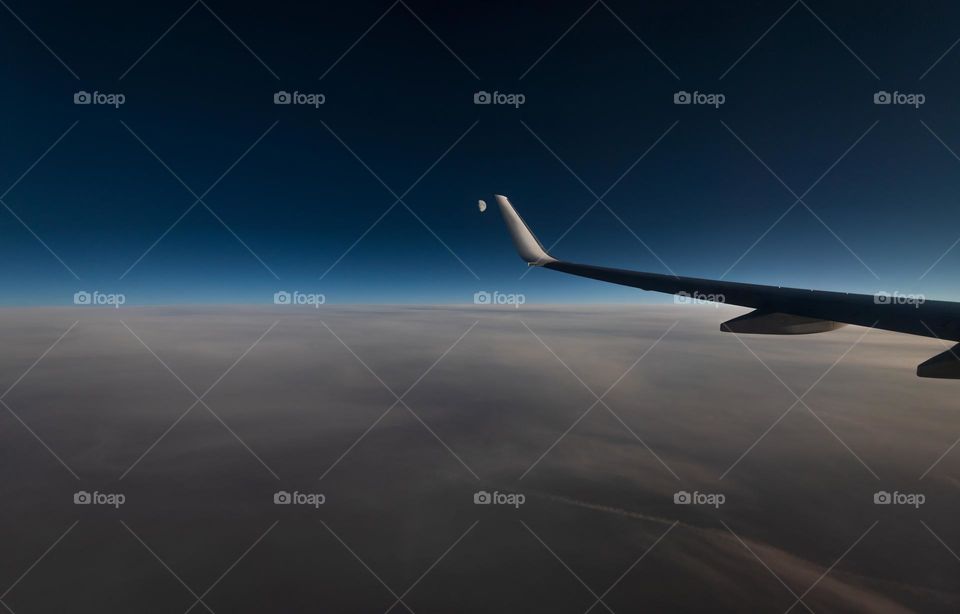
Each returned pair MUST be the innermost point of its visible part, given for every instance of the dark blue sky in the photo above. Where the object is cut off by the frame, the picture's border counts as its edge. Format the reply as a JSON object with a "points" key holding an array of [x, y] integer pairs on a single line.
{"points": [[599, 99]]}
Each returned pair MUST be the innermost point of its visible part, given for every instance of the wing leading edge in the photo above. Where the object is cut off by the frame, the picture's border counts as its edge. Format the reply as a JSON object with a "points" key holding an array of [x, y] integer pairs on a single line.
{"points": [[784, 311]]}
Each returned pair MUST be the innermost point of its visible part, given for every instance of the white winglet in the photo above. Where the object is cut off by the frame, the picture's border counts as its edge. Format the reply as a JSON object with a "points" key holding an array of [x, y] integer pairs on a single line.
{"points": [[527, 245]]}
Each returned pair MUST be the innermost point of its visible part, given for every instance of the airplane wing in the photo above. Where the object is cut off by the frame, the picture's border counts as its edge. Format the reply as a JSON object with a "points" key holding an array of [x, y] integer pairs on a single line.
{"points": [[776, 310]]}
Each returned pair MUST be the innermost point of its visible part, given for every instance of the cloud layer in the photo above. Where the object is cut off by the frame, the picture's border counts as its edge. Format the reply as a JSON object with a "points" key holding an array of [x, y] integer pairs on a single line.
{"points": [[504, 409]]}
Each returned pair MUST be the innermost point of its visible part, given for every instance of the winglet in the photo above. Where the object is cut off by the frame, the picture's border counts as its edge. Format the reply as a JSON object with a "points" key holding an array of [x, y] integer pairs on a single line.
{"points": [[527, 245]]}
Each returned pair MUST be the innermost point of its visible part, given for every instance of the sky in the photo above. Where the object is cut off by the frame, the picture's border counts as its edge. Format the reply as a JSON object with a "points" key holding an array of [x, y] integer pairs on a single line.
{"points": [[371, 197]]}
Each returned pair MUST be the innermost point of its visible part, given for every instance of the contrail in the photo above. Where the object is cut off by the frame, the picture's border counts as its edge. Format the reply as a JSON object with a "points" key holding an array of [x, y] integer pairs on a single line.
{"points": [[605, 508]]}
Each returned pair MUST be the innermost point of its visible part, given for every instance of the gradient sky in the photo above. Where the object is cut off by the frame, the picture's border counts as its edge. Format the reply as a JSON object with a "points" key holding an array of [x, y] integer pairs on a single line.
{"points": [[399, 99]]}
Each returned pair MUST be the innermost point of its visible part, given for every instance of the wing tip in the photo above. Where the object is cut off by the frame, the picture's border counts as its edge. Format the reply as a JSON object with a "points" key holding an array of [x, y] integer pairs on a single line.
{"points": [[527, 245]]}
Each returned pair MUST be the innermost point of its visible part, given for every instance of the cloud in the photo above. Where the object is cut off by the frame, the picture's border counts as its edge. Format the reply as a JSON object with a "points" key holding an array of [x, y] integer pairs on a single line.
{"points": [[501, 405]]}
